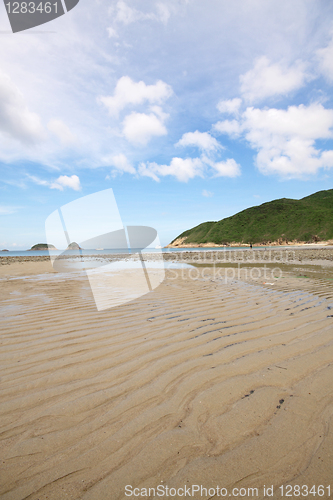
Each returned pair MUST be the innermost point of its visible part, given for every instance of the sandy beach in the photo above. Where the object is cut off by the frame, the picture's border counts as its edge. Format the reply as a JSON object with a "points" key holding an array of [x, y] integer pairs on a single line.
{"points": [[216, 378]]}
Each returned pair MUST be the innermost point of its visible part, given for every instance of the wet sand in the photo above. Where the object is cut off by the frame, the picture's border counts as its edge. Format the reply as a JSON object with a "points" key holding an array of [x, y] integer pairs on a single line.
{"points": [[212, 379]]}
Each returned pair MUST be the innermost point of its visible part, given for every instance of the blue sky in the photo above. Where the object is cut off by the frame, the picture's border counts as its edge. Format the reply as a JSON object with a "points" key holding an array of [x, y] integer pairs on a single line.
{"points": [[190, 110]]}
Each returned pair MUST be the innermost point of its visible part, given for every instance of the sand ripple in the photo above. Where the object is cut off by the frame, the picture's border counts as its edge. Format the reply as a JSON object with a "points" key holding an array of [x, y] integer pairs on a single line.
{"points": [[198, 382]]}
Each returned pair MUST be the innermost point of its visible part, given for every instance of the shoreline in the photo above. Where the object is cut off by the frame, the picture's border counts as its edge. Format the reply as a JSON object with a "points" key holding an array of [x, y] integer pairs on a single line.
{"points": [[322, 255], [180, 243]]}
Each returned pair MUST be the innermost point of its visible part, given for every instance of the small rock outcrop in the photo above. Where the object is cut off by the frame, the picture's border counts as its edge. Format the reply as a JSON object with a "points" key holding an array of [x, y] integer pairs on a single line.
{"points": [[43, 246], [74, 246]]}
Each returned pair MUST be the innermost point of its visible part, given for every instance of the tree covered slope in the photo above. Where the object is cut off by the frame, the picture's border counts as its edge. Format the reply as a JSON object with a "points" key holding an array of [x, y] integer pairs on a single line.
{"points": [[308, 219]]}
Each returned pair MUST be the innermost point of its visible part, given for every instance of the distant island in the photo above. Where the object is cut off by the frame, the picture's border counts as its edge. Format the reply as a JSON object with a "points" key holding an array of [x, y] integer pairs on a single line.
{"points": [[74, 246], [45, 246], [278, 222], [5, 250], [42, 246]]}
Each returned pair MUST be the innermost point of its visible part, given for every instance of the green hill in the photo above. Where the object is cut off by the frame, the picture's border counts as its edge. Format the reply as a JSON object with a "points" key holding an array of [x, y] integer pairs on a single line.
{"points": [[307, 220]]}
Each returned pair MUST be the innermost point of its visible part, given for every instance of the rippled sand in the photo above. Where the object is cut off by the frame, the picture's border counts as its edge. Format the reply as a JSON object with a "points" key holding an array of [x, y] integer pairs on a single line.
{"points": [[203, 381]]}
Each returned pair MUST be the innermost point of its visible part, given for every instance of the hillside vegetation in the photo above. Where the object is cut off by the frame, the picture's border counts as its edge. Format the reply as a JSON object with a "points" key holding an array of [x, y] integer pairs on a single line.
{"points": [[307, 220], [43, 246]]}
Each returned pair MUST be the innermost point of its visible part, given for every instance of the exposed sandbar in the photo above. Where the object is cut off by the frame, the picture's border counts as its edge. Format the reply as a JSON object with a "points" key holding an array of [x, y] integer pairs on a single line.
{"points": [[207, 380]]}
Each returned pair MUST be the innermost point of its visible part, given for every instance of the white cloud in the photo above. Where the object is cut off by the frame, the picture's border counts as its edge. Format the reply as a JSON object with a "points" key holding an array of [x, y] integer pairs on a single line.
{"points": [[159, 112], [163, 12], [325, 57], [16, 120], [39, 182], [120, 163], [112, 32], [209, 147], [285, 140], [230, 106], [307, 122], [52, 90], [125, 14], [229, 127], [227, 168], [201, 140], [60, 129], [149, 170], [139, 128], [182, 169], [207, 194], [128, 92], [186, 169], [62, 182], [267, 79]]}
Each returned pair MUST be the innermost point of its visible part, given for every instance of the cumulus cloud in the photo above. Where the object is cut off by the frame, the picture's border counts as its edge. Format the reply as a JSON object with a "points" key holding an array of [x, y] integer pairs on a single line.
{"points": [[210, 148], [325, 57], [60, 129], [16, 120], [139, 128], [182, 169], [229, 127], [268, 79], [228, 168], [230, 106], [72, 182], [186, 169], [202, 140], [307, 122], [128, 92], [285, 140], [120, 163], [63, 181]]}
